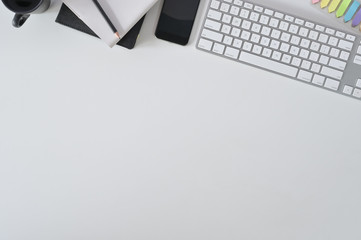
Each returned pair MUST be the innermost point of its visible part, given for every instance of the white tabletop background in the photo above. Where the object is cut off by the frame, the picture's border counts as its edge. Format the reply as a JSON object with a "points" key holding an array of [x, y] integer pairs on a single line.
{"points": [[167, 142]]}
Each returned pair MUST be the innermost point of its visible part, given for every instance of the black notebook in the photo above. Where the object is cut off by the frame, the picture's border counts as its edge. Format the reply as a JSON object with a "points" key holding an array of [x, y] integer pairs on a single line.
{"points": [[68, 18]]}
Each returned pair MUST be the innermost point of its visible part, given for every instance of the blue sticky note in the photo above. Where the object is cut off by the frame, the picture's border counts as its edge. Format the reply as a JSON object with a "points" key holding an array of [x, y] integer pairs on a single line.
{"points": [[351, 11]]}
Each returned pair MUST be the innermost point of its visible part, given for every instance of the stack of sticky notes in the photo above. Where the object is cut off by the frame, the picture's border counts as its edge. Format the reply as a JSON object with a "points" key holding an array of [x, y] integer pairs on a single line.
{"points": [[347, 10]]}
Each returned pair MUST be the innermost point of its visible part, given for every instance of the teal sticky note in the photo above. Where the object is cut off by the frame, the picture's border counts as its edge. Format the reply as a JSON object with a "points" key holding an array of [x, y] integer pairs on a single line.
{"points": [[351, 11]]}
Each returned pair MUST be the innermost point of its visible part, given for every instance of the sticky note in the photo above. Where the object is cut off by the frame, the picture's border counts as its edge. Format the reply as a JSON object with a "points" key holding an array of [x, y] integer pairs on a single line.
{"points": [[351, 11], [315, 1], [342, 9], [324, 3], [334, 4], [356, 21]]}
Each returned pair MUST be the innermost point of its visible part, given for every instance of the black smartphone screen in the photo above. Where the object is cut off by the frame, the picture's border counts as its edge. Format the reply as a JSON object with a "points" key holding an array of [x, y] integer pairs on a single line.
{"points": [[176, 20]]}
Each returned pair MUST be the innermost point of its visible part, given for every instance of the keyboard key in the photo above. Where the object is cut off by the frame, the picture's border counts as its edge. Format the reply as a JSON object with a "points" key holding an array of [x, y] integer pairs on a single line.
{"points": [[268, 12], [347, 90], [334, 52], [231, 52], [315, 46], [212, 14], [304, 53], [345, 45], [333, 41], [254, 16], [257, 49], [275, 34], [299, 21], [237, 43], [357, 60], [295, 40], [344, 55], [314, 56], [225, 7], [276, 55], [323, 38], [335, 63], [284, 47], [255, 38], [266, 31], [332, 84], [238, 2], [236, 32], [256, 28], [245, 35], [212, 25], [264, 19], [247, 46], [318, 80], [289, 18], [246, 25], [234, 10], [268, 64], [293, 29], [205, 44], [244, 13], [294, 50], [286, 58], [305, 76], [215, 36], [248, 5], [265, 41], [226, 18], [215, 4], [273, 22], [356, 93], [226, 29], [275, 44], [267, 52], [324, 59], [315, 67], [218, 48], [306, 64], [258, 9], [331, 72], [227, 40], [296, 62], [236, 22]]}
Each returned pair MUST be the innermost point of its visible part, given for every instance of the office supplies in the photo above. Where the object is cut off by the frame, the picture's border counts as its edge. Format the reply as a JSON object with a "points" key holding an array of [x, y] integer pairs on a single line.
{"points": [[351, 11], [124, 14], [283, 43], [342, 9], [357, 19], [334, 4], [68, 18], [176, 20], [324, 3], [115, 31]]}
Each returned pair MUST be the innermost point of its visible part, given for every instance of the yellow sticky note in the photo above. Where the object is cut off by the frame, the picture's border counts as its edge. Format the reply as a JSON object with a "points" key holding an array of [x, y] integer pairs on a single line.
{"points": [[333, 6], [324, 3]]}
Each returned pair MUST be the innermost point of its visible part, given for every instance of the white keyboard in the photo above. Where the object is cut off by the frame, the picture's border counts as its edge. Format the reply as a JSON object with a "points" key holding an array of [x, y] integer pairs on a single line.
{"points": [[301, 49]]}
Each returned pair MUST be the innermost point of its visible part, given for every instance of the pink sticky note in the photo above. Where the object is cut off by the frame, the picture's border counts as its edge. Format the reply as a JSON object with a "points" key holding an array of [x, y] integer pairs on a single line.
{"points": [[315, 1]]}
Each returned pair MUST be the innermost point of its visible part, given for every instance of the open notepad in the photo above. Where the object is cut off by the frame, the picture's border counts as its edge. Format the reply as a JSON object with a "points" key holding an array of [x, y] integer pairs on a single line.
{"points": [[124, 14]]}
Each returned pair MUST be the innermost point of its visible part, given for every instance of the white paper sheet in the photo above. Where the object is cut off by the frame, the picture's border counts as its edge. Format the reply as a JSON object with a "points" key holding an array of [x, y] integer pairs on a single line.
{"points": [[124, 14]]}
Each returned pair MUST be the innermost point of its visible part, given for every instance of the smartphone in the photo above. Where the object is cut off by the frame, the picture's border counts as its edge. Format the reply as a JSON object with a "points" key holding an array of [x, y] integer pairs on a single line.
{"points": [[176, 20]]}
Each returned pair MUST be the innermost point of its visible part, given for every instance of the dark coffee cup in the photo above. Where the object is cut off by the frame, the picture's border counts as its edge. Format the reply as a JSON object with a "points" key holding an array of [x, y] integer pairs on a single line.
{"points": [[23, 9]]}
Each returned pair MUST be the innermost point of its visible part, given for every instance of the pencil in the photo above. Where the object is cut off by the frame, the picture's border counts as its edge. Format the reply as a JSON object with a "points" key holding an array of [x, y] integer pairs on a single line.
{"points": [[106, 18]]}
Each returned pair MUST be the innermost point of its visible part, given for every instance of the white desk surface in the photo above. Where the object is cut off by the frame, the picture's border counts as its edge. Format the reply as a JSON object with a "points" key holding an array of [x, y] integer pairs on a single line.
{"points": [[167, 142]]}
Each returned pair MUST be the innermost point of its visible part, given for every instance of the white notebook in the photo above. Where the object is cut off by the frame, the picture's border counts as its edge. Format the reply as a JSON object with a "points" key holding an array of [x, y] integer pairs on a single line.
{"points": [[124, 14]]}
